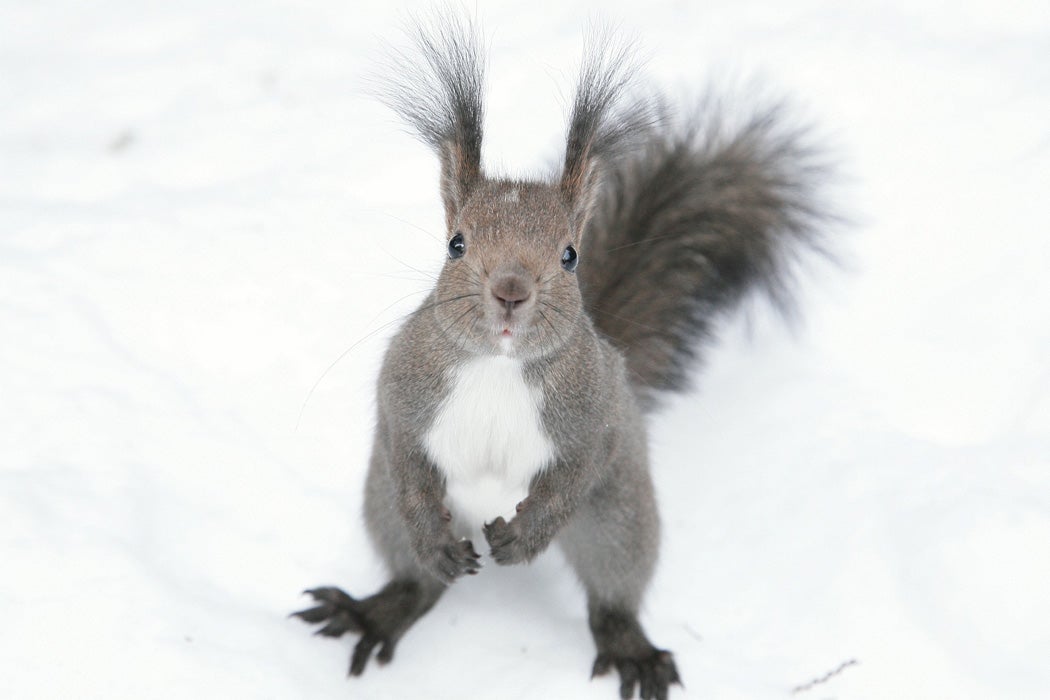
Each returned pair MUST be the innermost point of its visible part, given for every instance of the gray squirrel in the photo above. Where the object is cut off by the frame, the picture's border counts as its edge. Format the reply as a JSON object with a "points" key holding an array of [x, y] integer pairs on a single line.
{"points": [[512, 402]]}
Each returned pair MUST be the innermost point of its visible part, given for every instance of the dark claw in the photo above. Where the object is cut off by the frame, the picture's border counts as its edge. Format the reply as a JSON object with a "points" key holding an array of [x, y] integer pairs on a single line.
{"points": [[336, 607], [647, 683], [456, 559], [331, 594], [362, 652], [665, 660], [498, 532], [338, 626], [628, 678], [339, 610], [503, 541], [652, 675], [318, 614], [601, 666], [379, 619], [386, 652]]}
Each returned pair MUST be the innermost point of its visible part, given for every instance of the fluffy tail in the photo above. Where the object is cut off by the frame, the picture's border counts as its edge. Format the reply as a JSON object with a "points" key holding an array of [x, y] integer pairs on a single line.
{"points": [[685, 228]]}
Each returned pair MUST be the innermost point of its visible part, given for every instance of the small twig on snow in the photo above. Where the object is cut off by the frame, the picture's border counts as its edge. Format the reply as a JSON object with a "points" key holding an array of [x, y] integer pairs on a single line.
{"points": [[825, 678]]}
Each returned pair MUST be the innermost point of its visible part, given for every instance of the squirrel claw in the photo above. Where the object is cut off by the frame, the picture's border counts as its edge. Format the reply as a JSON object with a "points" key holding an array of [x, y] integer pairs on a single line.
{"points": [[380, 619], [504, 540], [339, 610], [653, 674], [456, 559], [602, 664]]}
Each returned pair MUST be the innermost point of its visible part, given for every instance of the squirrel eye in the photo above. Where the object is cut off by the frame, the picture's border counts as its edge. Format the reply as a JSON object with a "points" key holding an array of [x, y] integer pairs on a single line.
{"points": [[457, 246], [569, 259]]}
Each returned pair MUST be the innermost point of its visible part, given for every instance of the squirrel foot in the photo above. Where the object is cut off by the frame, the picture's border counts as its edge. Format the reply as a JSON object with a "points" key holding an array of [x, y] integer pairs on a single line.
{"points": [[623, 645], [653, 673], [380, 619]]}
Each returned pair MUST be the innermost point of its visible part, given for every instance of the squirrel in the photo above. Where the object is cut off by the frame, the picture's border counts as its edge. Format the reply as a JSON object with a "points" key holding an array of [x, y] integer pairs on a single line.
{"points": [[512, 403]]}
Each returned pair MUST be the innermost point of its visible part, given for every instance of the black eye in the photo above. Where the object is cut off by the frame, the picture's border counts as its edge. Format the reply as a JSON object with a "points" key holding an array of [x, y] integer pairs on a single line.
{"points": [[569, 259], [457, 246]]}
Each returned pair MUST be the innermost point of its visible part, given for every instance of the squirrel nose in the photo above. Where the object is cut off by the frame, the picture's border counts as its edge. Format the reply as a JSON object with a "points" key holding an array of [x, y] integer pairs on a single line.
{"points": [[511, 290]]}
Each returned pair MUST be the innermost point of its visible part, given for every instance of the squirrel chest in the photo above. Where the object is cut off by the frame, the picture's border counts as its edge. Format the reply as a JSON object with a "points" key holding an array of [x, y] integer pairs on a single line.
{"points": [[487, 438]]}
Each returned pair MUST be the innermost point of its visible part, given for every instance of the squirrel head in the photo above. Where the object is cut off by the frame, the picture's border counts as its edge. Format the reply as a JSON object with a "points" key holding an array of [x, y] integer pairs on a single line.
{"points": [[509, 284]]}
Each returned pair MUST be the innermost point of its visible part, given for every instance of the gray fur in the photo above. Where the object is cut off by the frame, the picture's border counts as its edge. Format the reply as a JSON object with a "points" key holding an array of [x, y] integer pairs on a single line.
{"points": [[674, 227]]}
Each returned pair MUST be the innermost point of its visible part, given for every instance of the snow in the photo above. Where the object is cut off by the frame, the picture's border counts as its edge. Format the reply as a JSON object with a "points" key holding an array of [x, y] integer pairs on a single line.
{"points": [[208, 230]]}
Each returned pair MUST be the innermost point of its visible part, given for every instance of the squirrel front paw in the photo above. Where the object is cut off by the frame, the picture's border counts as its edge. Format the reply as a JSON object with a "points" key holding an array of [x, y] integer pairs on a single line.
{"points": [[454, 559], [505, 540]]}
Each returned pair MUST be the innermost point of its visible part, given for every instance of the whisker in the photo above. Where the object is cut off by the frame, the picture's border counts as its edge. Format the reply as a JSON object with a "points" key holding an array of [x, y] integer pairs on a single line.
{"points": [[469, 329], [454, 321], [650, 239], [427, 307], [543, 282], [554, 308], [554, 330], [342, 355], [428, 274], [415, 226], [337, 360], [465, 274], [628, 320]]}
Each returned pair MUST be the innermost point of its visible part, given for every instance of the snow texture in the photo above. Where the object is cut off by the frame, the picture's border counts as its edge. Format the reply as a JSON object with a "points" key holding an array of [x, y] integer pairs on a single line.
{"points": [[201, 210]]}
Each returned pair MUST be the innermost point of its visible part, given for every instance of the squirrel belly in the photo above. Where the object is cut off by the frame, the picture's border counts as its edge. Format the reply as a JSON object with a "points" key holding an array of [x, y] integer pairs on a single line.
{"points": [[488, 440]]}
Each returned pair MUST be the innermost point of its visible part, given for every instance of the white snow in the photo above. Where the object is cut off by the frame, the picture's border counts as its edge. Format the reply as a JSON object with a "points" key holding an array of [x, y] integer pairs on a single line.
{"points": [[201, 210]]}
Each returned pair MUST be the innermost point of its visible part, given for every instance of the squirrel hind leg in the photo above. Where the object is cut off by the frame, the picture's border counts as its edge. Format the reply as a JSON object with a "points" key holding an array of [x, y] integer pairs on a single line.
{"points": [[381, 619], [614, 558]]}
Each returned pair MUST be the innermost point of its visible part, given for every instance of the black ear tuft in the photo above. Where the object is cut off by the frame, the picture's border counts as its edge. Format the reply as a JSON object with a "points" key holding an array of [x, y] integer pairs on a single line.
{"points": [[602, 126], [437, 89]]}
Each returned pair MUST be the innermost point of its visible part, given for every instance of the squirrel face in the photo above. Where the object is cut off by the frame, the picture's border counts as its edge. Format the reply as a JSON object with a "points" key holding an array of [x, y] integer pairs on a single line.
{"points": [[508, 285]]}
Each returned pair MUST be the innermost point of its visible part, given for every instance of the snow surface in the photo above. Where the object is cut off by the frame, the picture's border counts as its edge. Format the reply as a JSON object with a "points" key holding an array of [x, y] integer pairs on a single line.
{"points": [[201, 211]]}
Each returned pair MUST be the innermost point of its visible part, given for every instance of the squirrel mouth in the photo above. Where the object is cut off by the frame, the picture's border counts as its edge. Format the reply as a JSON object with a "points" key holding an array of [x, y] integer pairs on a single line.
{"points": [[505, 342]]}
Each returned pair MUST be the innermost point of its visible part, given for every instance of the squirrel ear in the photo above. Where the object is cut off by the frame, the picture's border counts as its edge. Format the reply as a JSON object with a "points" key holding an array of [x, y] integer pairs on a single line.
{"points": [[580, 184], [437, 89], [602, 127], [460, 172]]}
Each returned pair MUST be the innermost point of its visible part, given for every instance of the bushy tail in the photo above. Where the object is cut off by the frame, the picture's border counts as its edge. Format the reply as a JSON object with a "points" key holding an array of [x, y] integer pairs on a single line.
{"points": [[699, 217]]}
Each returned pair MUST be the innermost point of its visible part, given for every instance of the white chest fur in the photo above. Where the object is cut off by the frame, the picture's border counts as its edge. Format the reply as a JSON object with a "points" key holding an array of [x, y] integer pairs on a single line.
{"points": [[488, 440]]}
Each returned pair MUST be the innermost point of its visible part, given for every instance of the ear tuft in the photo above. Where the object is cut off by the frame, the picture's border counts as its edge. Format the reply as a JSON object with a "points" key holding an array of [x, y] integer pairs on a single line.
{"points": [[437, 89], [602, 126]]}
